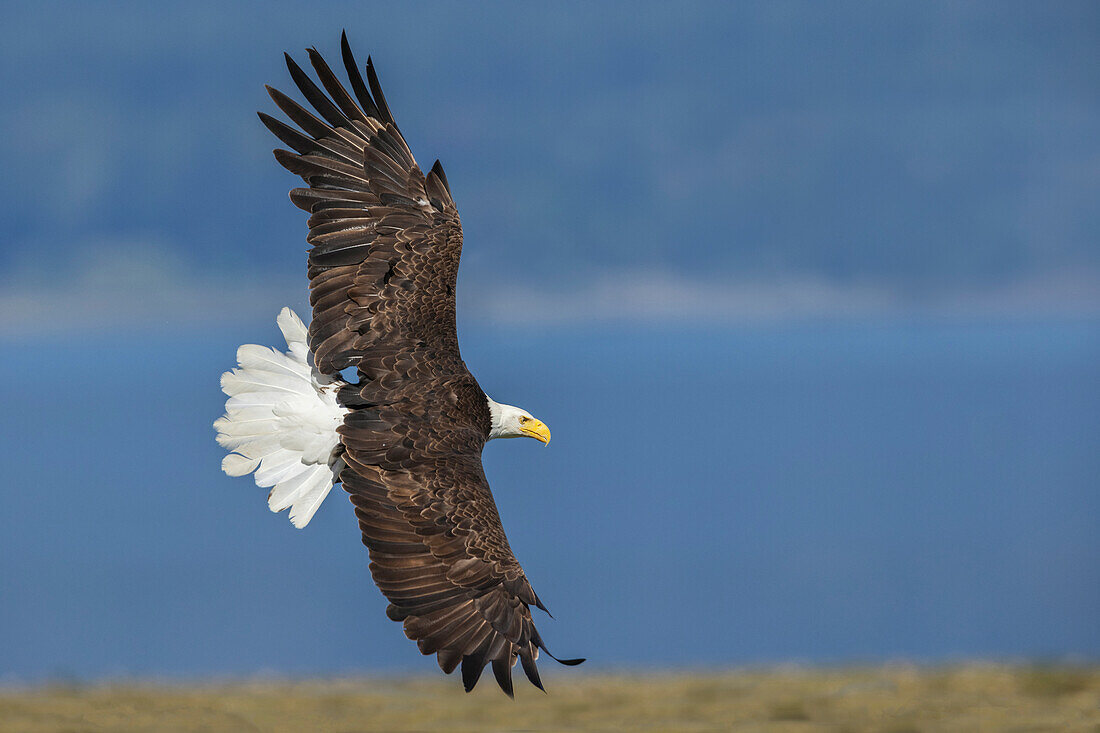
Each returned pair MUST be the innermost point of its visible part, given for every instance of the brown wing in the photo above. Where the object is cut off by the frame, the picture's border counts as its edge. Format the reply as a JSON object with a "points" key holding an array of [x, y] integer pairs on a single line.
{"points": [[386, 241]]}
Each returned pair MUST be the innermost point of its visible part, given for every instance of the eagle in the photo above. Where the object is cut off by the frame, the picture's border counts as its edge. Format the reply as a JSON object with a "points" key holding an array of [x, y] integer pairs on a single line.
{"points": [[404, 439]]}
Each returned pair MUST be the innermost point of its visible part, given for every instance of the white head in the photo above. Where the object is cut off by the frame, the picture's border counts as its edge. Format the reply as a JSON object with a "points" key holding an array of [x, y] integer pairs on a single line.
{"points": [[513, 422]]}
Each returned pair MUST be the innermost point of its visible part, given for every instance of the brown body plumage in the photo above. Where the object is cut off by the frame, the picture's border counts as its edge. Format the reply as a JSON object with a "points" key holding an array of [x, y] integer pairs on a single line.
{"points": [[386, 242]]}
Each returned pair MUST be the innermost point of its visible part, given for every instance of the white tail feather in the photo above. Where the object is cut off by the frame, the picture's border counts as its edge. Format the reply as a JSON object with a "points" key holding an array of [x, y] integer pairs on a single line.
{"points": [[280, 422]]}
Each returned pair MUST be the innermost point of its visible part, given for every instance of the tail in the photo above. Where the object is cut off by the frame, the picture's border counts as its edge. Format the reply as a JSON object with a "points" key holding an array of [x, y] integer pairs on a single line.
{"points": [[280, 421]]}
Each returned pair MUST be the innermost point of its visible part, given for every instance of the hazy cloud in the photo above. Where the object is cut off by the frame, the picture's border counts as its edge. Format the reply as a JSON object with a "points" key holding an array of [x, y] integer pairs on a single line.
{"points": [[141, 283], [713, 161], [651, 296], [113, 284], [860, 143]]}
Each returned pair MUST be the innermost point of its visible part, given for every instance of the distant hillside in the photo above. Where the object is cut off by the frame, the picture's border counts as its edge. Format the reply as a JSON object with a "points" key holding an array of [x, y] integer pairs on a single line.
{"points": [[894, 698]]}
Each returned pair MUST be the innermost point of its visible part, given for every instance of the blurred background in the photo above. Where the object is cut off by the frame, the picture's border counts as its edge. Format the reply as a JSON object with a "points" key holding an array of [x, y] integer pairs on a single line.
{"points": [[809, 296]]}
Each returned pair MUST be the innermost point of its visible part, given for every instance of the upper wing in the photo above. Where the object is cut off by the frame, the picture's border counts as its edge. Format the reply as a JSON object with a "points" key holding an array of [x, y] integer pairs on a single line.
{"points": [[386, 238], [386, 244]]}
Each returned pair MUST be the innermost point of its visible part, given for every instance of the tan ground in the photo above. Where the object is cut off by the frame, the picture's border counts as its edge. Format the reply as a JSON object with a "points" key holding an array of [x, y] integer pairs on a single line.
{"points": [[895, 699]]}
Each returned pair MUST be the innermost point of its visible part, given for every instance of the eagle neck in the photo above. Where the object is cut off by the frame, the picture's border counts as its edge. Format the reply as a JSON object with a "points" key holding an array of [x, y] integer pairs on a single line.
{"points": [[495, 419]]}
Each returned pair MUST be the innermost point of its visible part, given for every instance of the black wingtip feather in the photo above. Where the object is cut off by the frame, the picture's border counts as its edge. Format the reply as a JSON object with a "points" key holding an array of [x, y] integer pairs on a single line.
{"points": [[358, 86], [566, 662], [350, 107], [531, 670], [315, 96], [299, 114], [302, 144], [542, 645], [471, 671], [541, 607], [376, 92], [437, 169], [502, 670]]}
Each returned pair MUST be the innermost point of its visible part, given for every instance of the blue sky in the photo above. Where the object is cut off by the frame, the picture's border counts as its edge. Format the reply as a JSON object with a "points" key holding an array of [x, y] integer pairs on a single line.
{"points": [[836, 267], [867, 157]]}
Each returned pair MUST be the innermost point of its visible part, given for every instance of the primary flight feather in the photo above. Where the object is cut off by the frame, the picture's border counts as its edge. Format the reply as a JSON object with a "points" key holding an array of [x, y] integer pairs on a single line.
{"points": [[405, 440]]}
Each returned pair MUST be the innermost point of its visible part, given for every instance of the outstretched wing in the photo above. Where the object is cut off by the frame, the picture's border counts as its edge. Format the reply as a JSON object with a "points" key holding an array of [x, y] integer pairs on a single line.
{"points": [[386, 241], [439, 554]]}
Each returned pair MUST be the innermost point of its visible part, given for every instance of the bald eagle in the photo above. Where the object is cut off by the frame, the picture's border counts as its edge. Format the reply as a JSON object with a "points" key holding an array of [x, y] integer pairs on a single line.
{"points": [[405, 439]]}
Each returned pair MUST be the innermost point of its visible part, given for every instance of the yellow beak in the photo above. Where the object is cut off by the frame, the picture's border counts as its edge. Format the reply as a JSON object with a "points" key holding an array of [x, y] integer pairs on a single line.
{"points": [[536, 429]]}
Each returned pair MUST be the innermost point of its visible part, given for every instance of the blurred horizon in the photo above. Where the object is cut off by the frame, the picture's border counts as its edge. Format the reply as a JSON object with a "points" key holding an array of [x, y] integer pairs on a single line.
{"points": [[809, 297]]}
